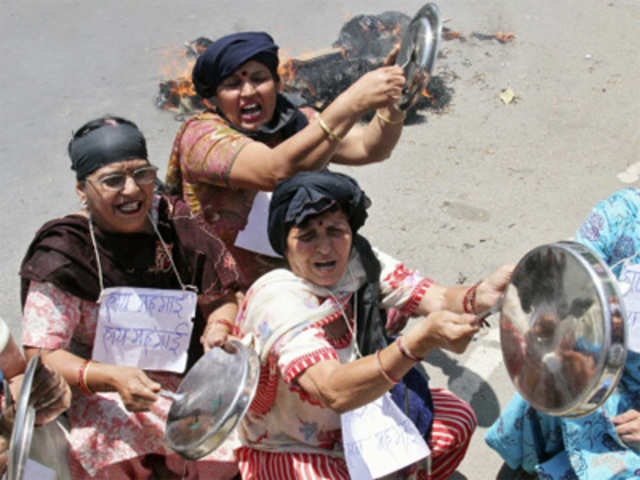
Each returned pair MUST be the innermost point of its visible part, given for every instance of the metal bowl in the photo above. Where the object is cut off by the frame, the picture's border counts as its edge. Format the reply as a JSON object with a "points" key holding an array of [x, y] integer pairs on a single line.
{"points": [[562, 329], [22, 432], [211, 399], [418, 51]]}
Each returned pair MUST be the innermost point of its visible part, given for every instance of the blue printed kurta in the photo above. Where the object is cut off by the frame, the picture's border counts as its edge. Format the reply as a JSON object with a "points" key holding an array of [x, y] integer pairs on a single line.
{"points": [[586, 448]]}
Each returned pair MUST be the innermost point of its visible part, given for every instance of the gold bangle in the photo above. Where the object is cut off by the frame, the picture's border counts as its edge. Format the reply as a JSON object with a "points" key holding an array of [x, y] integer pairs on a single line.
{"points": [[85, 386], [325, 128], [389, 121]]}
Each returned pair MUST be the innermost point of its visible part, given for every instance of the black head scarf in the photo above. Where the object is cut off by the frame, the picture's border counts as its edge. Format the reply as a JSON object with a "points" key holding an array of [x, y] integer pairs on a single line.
{"points": [[226, 54], [105, 141], [310, 193]]}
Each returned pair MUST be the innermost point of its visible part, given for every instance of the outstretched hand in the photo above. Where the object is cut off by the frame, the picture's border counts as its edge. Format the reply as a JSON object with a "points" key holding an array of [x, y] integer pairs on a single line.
{"points": [[447, 330], [50, 394], [214, 335], [491, 289], [378, 88], [136, 389], [628, 428]]}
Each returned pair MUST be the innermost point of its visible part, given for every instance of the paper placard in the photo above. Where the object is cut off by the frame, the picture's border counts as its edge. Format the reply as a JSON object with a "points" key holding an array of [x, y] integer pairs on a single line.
{"points": [[631, 276], [254, 237], [378, 439], [145, 327], [35, 471]]}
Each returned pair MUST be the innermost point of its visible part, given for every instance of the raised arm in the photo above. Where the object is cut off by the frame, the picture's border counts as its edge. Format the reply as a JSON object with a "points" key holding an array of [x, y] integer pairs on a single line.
{"points": [[331, 136]]}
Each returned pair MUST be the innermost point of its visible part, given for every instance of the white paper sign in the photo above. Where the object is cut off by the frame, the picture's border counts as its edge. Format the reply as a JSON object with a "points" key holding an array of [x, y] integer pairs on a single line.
{"points": [[254, 237], [378, 439], [146, 328], [35, 471], [631, 276]]}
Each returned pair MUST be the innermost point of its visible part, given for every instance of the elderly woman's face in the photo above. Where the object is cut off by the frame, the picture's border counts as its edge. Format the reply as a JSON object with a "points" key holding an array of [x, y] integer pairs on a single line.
{"points": [[318, 250], [122, 210], [247, 97]]}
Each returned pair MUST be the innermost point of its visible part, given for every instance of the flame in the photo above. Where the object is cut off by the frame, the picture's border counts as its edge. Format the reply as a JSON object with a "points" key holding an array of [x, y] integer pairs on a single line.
{"points": [[286, 70], [504, 37], [425, 93], [177, 64], [451, 34], [177, 69]]}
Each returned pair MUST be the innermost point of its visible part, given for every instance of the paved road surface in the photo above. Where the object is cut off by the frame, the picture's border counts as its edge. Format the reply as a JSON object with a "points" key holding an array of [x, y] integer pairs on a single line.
{"points": [[464, 192]]}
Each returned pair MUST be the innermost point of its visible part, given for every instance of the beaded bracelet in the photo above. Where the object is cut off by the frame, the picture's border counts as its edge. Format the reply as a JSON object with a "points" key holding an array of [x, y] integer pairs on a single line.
{"points": [[389, 121], [82, 378], [325, 128], [387, 377], [405, 351]]}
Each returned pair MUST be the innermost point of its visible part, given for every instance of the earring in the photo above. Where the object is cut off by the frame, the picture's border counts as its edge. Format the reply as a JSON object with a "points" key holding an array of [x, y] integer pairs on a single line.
{"points": [[83, 204]]}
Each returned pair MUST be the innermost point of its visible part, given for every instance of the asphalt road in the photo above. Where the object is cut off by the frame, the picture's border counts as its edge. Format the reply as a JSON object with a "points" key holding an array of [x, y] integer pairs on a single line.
{"points": [[468, 189]]}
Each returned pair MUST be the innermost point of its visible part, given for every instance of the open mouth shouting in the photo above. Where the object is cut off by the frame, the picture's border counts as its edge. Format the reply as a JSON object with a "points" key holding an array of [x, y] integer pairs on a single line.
{"points": [[326, 267], [251, 112]]}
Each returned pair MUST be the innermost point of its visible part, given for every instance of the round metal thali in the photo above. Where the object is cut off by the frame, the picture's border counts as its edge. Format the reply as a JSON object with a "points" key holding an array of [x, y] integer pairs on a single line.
{"points": [[562, 329], [211, 399], [22, 432], [418, 51]]}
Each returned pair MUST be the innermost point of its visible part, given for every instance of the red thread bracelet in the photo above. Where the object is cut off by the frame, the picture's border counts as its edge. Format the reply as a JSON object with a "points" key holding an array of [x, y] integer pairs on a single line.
{"points": [[474, 307], [405, 351], [82, 378], [226, 323], [466, 300], [386, 376]]}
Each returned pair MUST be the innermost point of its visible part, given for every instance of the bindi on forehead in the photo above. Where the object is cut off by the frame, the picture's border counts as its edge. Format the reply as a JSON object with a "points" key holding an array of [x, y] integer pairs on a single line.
{"points": [[244, 73]]}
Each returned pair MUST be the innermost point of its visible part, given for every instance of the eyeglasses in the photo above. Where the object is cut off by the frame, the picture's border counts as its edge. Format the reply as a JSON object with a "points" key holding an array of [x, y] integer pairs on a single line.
{"points": [[117, 181]]}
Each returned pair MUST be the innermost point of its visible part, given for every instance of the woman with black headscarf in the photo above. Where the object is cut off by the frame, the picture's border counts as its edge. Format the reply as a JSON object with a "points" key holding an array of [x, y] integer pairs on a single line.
{"points": [[116, 298], [252, 136], [326, 350]]}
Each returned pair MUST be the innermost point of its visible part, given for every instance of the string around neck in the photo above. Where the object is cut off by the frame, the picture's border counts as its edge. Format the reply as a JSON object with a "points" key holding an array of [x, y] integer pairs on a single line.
{"points": [[94, 243]]}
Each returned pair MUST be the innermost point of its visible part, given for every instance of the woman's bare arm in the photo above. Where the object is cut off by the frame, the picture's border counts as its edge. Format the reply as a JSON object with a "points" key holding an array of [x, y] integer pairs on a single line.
{"points": [[343, 387], [261, 167], [136, 389]]}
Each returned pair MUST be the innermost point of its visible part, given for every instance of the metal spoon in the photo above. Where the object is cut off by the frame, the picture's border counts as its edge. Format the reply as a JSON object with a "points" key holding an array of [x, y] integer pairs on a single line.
{"points": [[176, 397]]}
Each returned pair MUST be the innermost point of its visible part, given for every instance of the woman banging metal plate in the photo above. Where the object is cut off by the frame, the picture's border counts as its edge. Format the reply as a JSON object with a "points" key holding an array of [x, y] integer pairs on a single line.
{"points": [[562, 329], [211, 399], [418, 52]]}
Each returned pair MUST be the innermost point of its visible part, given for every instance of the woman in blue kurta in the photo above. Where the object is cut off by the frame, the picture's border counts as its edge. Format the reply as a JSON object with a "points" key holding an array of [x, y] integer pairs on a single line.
{"points": [[600, 445]]}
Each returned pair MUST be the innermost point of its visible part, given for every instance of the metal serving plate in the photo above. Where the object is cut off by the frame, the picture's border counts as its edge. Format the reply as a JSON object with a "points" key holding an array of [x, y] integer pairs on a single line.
{"points": [[562, 329], [418, 51], [22, 432], [212, 398]]}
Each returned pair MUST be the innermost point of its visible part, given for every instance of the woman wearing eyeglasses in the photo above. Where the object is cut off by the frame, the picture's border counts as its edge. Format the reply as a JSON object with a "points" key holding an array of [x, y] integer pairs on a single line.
{"points": [[94, 283]]}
